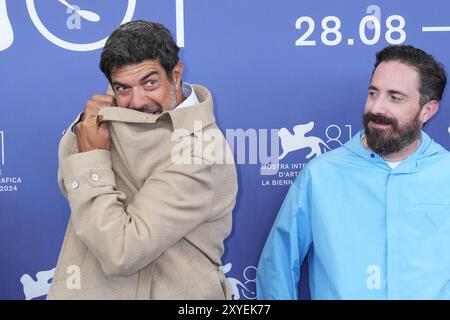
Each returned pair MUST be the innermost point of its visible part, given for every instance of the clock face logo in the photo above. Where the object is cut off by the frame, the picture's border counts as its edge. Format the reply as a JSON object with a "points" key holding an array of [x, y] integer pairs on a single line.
{"points": [[72, 26]]}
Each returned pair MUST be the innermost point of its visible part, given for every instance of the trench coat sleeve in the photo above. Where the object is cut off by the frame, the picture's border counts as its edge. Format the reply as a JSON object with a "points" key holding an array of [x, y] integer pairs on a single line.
{"points": [[68, 145], [126, 238]]}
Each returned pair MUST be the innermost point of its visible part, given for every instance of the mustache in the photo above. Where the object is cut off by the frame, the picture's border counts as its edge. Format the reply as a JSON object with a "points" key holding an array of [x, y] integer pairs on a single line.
{"points": [[379, 119], [151, 108]]}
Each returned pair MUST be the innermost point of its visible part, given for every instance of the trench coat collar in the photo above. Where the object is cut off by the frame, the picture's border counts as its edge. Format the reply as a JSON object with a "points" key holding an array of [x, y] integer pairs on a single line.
{"points": [[190, 119]]}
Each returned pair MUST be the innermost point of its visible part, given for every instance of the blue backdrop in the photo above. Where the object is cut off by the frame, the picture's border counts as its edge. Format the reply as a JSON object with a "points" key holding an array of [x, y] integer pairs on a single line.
{"points": [[269, 64]]}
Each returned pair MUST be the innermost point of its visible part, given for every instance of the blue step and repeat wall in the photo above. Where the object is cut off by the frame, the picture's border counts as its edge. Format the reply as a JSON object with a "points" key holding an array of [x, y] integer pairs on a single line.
{"points": [[272, 66]]}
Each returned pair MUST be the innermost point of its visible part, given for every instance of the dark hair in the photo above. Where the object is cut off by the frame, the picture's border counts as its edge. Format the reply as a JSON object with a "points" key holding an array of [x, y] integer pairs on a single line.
{"points": [[433, 78], [136, 41]]}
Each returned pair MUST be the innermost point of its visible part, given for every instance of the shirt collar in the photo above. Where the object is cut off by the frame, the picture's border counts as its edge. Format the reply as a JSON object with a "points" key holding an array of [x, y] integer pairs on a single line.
{"points": [[409, 164], [189, 93]]}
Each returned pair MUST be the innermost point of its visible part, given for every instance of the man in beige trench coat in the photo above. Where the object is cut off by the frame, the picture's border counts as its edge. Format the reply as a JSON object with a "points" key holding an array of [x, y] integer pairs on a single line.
{"points": [[151, 183]]}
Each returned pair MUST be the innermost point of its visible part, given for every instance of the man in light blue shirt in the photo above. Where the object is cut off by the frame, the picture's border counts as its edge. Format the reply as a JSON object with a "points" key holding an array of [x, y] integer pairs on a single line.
{"points": [[373, 216]]}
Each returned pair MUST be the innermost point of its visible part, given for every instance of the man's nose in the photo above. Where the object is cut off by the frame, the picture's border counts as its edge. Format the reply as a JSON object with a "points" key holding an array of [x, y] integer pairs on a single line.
{"points": [[379, 105], [138, 98]]}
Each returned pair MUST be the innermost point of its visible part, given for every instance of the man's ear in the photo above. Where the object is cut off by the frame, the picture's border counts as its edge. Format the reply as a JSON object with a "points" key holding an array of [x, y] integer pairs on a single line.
{"points": [[177, 73], [429, 110]]}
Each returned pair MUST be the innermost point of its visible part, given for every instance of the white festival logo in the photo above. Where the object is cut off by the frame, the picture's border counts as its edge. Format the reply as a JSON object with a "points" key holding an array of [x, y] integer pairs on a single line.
{"points": [[6, 31], [33, 289], [299, 140], [74, 22], [236, 286]]}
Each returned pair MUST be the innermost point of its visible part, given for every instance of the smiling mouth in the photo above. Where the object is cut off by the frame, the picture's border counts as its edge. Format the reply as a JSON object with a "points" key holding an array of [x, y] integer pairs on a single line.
{"points": [[155, 110], [381, 125]]}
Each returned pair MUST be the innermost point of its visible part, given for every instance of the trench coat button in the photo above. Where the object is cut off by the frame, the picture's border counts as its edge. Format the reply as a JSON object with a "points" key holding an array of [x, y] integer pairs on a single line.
{"points": [[95, 177], [75, 185]]}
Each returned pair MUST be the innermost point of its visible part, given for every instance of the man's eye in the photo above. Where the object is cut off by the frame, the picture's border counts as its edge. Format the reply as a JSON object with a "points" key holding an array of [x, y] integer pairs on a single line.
{"points": [[120, 89], [372, 93], [150, 83], [396, 98]]}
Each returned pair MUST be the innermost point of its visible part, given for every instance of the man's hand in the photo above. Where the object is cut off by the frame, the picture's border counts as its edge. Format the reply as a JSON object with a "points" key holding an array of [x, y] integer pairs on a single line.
{"points": [[90, 135]]}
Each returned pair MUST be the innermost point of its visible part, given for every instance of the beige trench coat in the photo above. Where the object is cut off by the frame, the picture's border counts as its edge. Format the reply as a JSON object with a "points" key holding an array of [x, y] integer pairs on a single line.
{"points": [[149, 217]]}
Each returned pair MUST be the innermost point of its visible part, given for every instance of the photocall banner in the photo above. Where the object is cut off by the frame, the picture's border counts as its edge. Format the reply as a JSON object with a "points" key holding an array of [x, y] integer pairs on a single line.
{"points": [[289, 80]]}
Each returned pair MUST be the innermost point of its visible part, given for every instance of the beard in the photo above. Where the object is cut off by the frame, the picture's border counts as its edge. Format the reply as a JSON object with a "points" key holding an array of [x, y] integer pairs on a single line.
{"points": [[392, 139], [157, 108]]}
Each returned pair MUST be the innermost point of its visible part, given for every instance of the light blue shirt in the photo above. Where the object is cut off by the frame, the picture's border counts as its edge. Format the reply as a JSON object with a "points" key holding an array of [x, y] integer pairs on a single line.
{"points": [[368, 231]]}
